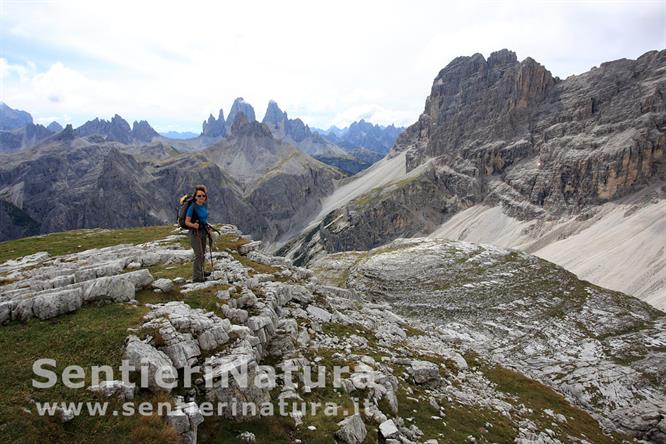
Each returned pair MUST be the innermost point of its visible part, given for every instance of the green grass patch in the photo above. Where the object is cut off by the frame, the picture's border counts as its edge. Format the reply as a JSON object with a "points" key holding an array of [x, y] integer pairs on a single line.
{"points": [[79, 240], [268, 429], [345, 331], [172, 271], [459, 422], [94, 335], [412, 331], [256, 266], [538, 397]]}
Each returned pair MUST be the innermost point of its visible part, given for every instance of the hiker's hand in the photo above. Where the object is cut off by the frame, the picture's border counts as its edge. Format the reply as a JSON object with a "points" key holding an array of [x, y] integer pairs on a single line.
{"points": [[195, 225]]}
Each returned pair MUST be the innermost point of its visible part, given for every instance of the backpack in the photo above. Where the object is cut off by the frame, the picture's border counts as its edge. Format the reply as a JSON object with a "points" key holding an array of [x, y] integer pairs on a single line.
{"points": [[185, 202]]}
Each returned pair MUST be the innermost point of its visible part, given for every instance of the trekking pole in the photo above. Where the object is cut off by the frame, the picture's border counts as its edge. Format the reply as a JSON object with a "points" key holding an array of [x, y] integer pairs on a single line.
{"points": [[210, 244]]}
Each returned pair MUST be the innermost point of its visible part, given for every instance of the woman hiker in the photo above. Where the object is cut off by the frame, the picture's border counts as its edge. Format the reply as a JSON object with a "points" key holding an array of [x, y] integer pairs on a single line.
{"points": [[195, 219]]}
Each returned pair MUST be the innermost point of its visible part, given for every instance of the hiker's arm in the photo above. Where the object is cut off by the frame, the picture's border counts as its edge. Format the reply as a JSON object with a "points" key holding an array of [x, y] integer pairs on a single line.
{"points": [[188, 222]]}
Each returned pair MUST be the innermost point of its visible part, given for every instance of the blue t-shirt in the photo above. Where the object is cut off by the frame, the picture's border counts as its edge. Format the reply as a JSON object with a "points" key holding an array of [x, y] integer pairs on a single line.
{"points": [[202, 213]]}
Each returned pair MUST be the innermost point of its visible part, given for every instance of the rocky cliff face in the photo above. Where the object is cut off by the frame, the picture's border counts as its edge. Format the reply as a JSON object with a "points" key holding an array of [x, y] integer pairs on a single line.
{"points": [[54, 127], [13, 118], [506, 134], [240, 106], [143, 132], [25, 137], [562, 145], [215, 127]]}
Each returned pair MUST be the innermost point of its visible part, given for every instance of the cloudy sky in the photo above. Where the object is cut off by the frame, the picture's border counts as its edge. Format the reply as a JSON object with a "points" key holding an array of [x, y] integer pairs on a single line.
{"points": [[330, 63]]}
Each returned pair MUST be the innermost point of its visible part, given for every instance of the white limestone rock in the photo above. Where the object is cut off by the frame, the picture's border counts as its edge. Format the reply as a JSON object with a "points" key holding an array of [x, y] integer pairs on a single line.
{"points": [[164, 285], [319, 314], [137, 351], [352, 430]]}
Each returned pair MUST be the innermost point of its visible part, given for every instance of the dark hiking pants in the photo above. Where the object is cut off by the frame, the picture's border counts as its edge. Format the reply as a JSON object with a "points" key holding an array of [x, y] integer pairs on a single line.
{"points": [[198, 242]]}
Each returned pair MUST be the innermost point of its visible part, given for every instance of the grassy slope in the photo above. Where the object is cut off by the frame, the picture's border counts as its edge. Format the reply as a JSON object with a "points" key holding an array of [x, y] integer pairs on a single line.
{"points": [[79, 240]]}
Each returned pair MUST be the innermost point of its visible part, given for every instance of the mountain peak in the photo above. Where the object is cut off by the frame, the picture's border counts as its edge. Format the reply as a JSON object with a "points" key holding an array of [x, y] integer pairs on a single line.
{"points": [[503, 57], [142, 131], [243, 127], [214, 127], [13, 118], [54, 127], [240, 106], [117, 130], [274, 115]]}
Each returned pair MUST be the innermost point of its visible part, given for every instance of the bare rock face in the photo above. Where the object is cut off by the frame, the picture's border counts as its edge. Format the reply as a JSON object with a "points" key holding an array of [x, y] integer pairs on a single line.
{"points": [[13, 118], [117, 129], [352, 430], [214, 127], [54, 127], [143, 132], [24, 137], [561, 144], [240, 106], [139, 353]]}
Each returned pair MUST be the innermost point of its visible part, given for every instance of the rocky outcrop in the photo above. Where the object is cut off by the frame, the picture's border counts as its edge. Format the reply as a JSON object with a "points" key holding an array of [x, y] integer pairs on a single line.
{"points": [[116, 130], [54, 127], [25, 137], [138, 353], [352, 430], [214, 127], [13, 118], [62, 285], [240, 106], [143, 132], [186, 418]]}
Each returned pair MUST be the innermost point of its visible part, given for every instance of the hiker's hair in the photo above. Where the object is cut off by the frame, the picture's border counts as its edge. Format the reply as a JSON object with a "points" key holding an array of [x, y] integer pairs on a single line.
{"points": [[200, 188]]}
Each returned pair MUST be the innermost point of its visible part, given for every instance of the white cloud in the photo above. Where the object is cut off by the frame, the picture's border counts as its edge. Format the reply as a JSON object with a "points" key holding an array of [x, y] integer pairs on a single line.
{"points": [[173, 63]]}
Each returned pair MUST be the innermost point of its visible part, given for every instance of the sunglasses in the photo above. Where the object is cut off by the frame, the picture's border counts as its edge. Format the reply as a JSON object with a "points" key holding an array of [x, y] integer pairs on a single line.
{"points": [[200, 195]]}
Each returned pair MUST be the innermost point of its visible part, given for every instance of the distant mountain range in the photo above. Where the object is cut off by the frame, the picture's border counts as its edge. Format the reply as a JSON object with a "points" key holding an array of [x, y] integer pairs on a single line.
{"points": [[265, 177], [106, 174], [362, 134], [179, 135], [351, 150]]}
